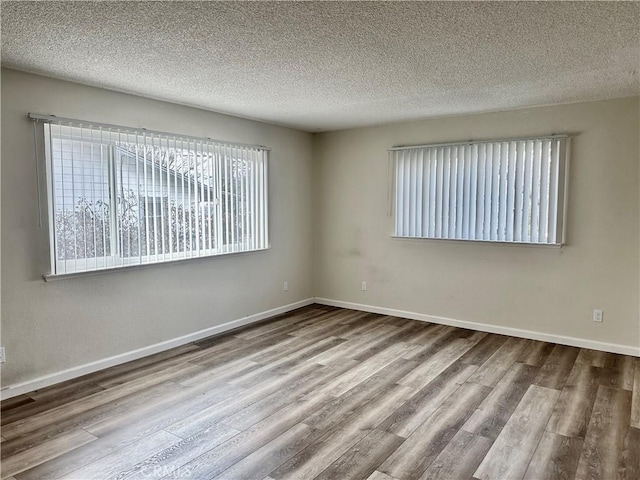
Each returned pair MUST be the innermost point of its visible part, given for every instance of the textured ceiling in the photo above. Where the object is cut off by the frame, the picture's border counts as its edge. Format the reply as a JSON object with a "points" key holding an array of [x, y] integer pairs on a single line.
{"points": [[334, 65]]}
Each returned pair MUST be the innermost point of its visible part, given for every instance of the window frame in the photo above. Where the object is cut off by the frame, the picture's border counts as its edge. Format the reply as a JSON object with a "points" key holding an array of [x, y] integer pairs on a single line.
{"points": [[116, 261], [562, 184]]}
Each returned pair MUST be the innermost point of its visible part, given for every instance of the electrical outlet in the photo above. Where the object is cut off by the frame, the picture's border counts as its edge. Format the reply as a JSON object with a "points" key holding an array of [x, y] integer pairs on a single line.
{"points": [[285, 286], [364, 286], [597, 315], [3, 358]]}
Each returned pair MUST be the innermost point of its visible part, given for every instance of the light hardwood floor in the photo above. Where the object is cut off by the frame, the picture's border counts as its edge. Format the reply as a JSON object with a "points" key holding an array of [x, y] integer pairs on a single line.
{"points": [[326, 393]]}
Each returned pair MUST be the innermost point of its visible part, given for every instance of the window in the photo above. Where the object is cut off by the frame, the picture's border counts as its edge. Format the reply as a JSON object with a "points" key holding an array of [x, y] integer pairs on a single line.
{"points": [[120, 197], [499, 191]]}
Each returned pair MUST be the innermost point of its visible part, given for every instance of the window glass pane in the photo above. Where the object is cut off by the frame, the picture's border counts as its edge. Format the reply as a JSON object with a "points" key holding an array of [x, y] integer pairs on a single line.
{"points": [[81, 210]]}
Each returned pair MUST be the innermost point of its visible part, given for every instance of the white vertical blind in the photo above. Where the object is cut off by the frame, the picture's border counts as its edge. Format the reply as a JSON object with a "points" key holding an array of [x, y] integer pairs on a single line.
{"points": [[121, 197], [501, 191]]}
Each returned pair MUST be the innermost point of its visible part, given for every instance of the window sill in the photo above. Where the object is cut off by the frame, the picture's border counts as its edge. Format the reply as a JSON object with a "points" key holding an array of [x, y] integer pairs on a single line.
{"points": [[486, 242], [50, 277]]}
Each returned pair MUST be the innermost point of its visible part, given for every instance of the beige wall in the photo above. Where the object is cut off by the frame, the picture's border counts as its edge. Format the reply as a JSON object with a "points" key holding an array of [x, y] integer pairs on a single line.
{"points": [[48, 327], [543, 289]]}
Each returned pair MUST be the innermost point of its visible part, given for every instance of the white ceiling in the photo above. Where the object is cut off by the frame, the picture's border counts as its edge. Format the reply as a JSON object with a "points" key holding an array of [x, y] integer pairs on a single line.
{"points": [[332, 65]]}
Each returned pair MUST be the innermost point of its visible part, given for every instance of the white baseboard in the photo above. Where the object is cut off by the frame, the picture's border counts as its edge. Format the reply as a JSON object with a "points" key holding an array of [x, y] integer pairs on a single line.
{"points": [[484, 327], [64, 375], [58, 377]]}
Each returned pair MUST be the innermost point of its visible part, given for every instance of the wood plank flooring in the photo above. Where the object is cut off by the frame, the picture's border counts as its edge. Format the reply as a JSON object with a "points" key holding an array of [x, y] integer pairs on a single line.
{"points": [[326, 393]]}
